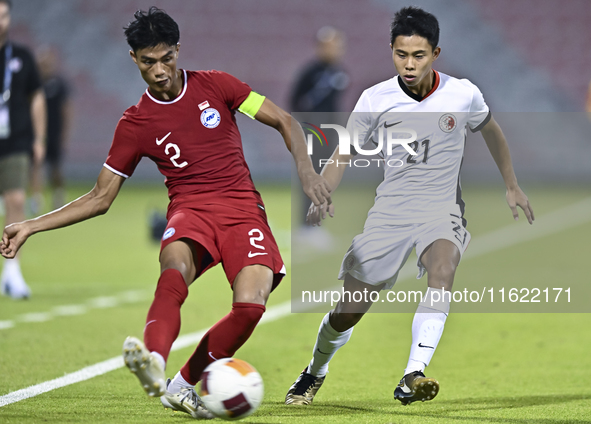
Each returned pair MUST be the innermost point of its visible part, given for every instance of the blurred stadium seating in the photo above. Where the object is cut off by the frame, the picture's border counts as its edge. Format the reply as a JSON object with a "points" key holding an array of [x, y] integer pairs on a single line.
{"points": [[526, 55], [550, 35]]}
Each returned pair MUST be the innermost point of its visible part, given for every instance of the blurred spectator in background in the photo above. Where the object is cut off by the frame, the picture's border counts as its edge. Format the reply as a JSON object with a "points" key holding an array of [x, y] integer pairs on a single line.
{"points": [[317, 93], [22, 137], [588, 106], [321, 83], [59, 118]]}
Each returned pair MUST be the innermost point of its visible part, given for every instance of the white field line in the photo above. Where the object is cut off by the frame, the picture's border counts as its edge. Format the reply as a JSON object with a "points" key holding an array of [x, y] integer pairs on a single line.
{"points": [[129, 296], [272, 314], [550, 223], [553, 222]]}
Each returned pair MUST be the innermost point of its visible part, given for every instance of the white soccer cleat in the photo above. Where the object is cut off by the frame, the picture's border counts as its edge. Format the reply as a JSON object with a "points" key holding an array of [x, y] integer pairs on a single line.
{"points": [[187, 400], [14, 286], [145, 366]]}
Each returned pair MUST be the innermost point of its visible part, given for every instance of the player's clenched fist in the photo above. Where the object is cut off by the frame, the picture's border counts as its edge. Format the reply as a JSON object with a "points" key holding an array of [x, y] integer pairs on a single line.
{"points": [[13, 238]]}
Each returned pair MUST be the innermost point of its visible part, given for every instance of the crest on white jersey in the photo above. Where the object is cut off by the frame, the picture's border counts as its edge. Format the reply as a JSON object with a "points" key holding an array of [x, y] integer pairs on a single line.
{"points": [[448, 122], [350, 262], [210, 118]]}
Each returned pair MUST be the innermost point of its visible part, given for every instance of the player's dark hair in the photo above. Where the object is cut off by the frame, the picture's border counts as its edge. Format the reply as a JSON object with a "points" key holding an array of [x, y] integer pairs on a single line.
{"points": [[8, 2], [413, 20], [151, 29]]}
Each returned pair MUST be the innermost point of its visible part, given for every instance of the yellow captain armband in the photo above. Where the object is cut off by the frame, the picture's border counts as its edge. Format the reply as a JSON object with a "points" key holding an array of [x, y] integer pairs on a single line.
{"points": [[252, 104]]}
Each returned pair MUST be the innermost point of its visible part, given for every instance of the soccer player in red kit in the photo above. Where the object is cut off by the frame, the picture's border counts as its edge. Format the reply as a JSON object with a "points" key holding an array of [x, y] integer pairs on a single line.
{"points": [[185, 123]]}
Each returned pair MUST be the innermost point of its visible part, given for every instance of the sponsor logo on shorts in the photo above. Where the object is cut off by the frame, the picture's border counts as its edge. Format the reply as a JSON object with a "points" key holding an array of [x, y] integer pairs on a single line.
{"points": [[168, 233], [448, 122], [460, 232], [210, 118], [349, 262], [252, 255]]}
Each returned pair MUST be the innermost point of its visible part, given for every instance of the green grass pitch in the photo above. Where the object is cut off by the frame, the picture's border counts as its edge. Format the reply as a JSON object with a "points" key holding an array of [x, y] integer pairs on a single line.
{"points": [[493, 368]]}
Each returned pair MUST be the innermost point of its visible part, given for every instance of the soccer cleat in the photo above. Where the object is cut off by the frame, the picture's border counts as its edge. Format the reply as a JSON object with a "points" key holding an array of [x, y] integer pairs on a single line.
{"points": [[14, 286], [304, 389], [145, 366], [187, 400], [414, 387]]}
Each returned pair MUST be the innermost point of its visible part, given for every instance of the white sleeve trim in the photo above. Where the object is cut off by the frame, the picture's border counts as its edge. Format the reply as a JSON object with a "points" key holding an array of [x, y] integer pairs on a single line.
{"points": [[114, 171]]}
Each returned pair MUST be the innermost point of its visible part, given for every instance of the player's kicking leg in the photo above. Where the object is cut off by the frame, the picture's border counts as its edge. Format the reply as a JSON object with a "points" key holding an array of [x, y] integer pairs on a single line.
{"points": [[440, 259], [164, 320], [178, 269], [251, 288], [334, 332]]}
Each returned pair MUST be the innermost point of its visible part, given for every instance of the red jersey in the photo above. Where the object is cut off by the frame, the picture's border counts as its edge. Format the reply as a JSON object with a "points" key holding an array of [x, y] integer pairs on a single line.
{"points": [[193, 139]]}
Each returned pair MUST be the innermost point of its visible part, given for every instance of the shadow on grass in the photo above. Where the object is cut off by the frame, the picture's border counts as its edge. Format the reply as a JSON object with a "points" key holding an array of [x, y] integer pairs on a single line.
{"points": [[448, 410], [279, 409], [518, 401]]}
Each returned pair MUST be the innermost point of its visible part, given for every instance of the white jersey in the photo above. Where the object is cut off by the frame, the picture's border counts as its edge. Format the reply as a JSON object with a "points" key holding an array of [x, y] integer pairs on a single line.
{"points": [[421, 188]]}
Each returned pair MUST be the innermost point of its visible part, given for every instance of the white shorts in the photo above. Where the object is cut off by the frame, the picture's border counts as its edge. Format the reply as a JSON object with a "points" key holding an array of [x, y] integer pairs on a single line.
{"points": [[377, 254]]}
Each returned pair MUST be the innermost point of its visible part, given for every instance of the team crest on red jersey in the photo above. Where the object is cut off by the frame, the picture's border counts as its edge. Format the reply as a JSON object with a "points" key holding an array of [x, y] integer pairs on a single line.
{"points": [[448, 123], [210, 118], [168, 233]]}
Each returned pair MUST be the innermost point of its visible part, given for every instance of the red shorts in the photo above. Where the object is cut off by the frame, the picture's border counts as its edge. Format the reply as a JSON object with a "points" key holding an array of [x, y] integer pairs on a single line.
{"points": [[236, 237]]}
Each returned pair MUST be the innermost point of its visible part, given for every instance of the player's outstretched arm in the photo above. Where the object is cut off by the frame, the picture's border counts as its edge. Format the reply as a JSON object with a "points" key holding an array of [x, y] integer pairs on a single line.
{"points": [[497, 145], [96, 202], [314, 185], [333, 174]]}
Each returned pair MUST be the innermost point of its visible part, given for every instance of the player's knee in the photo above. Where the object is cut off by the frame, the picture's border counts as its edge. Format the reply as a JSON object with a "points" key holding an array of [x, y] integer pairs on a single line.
{"points": [[179, 256], [442, 274], [253, 284], [259, 296], [185, 269], [343, 321]]}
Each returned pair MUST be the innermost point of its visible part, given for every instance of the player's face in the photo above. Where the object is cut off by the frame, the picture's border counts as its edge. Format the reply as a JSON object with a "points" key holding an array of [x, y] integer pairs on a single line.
{"points": [[4, 20], [158, 68], [413, 58]]}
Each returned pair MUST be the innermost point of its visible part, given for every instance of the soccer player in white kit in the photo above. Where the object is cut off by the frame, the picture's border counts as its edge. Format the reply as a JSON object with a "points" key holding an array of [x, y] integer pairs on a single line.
{"points": [[418, 205]]}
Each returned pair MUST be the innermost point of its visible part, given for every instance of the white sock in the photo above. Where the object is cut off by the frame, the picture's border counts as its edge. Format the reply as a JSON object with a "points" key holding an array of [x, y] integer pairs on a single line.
{"points": [[178, 383], [328, 342], [427, 327], [160, 359], [11, 267]]}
